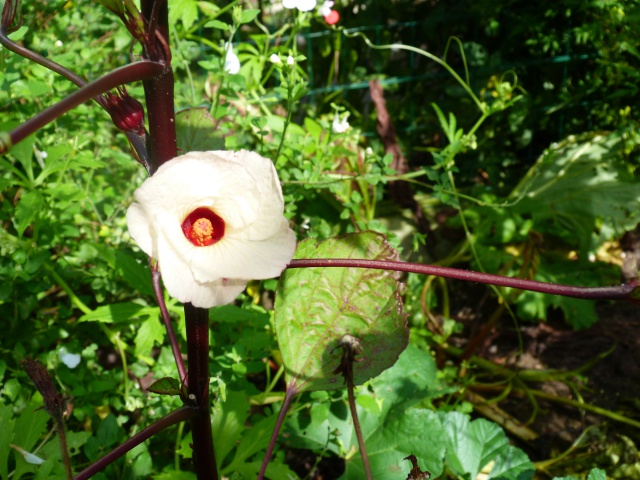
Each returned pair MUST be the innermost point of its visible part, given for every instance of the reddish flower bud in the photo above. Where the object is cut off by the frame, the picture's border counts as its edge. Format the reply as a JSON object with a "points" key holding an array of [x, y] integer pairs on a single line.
{"points": [[126, 112], [332, 17]]}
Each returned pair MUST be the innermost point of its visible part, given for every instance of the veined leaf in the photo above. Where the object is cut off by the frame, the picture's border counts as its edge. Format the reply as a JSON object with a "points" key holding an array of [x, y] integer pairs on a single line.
{"points": [[581, 190], [316, 307]]}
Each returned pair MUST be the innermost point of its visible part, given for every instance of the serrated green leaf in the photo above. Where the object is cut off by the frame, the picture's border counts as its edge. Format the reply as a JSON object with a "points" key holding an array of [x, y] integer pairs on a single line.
{"points": [[166, 386], [195, 131], [150, 332], [29, 207], [316, 307]]}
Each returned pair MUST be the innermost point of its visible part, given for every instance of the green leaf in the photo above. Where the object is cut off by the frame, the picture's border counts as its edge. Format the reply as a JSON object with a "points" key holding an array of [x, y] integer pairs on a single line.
{"points": [[229, 420], [218, 24], [316, 307], [249, 15], [512, 464], [29, 207], [184, 10], [416, 431], [253, 441], [166, 386], [7, 424], [118, 312], [150, 332], [597, 474], [195, 131], [472, 445], [582, 191]]}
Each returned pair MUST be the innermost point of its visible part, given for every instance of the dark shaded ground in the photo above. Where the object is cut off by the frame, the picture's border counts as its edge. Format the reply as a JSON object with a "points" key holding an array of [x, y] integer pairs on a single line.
{"points": [[612, 348]]}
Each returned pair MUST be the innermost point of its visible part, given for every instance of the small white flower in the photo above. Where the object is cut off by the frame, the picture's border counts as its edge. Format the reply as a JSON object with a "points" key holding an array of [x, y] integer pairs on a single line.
{"points": [[325, 9], [231, 61], [71, 360], [213, 221], [28, 456], [291, 61], [338, 125], [58, 43], [302, 5], [275, 59]]}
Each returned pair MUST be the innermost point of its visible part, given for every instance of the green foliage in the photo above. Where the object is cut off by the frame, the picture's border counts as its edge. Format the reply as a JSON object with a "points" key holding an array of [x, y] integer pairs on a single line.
{"points": [[316, 308], [72, 281]]}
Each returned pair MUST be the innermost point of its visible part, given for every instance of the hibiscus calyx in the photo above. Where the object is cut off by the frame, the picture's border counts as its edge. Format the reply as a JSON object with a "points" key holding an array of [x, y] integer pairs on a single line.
{"points": [[203, 227]]}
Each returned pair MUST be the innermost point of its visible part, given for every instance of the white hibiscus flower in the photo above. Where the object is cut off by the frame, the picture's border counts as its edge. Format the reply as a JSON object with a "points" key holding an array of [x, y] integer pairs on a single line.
{"points": [[213, 221]]}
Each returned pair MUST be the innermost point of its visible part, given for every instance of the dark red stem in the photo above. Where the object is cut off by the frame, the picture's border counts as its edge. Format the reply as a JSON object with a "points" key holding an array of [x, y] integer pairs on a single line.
{"points": [[129, 73], [6, 42], [288, 397], [166, 319], [624, 291], [158, 90], [180, 415], [204, 459]]}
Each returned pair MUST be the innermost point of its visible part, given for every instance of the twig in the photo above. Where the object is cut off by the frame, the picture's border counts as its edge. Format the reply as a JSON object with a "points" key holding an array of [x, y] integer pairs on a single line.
{"points": [[626, 291], [182, 414], [166, 319], [288, 397], [350, 348]]}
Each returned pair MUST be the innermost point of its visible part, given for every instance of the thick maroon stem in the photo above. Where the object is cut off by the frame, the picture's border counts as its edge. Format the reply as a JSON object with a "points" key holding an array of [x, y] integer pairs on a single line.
{"points": [[159, 91], [180, 415], [120, 76], [204, 459], [626, 291]]}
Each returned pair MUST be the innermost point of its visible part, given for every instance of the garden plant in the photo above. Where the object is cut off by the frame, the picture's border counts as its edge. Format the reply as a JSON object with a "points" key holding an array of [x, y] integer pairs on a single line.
{"points": [[243, 280]]}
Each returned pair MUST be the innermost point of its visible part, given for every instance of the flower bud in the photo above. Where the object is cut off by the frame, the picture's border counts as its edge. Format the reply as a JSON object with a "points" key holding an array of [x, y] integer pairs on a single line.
{"points": [[126, 112]]}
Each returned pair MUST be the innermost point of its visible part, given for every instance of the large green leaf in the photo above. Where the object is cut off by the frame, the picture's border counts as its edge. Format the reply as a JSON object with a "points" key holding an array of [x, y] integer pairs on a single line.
{"points": [[582, 190], [196, 132], [471, 445], [316, 307]]}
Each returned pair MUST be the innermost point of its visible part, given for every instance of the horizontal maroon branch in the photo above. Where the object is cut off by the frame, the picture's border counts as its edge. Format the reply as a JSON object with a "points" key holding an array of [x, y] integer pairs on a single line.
{"points": [[626, 291], [136, 71]]}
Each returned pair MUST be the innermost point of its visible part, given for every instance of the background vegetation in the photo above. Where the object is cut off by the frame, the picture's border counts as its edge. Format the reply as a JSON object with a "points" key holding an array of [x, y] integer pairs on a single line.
{"points": [[533, 174]]}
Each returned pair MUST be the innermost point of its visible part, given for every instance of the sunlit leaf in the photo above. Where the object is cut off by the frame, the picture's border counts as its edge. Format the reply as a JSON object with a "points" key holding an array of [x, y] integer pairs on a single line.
{"points": [[316, 307]]}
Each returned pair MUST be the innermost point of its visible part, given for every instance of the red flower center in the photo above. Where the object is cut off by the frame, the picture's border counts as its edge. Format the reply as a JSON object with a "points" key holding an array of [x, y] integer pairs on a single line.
{"points": [[203, 227]]}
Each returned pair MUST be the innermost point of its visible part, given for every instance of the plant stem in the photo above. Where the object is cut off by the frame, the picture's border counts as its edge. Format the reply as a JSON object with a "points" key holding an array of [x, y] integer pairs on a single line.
{"points": [[166, 319], [288, 397], [204, 459], [159, 89], [356, 426], [180, 415], [129, 73], [626, 291]]}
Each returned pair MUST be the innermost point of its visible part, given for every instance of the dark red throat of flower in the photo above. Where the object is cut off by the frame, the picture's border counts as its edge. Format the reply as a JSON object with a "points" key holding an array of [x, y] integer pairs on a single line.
{"points": [[203, 227]]}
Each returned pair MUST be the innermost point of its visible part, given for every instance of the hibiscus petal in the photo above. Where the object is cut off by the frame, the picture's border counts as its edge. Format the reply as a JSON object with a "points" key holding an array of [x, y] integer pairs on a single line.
{"points": [[240, 258], [140, 229]]}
